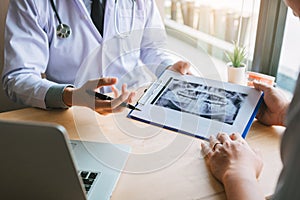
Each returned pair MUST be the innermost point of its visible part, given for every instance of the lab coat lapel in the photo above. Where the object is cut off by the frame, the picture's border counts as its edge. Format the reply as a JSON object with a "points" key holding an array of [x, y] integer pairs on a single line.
{"points": [[108, 18], [87, 15]]}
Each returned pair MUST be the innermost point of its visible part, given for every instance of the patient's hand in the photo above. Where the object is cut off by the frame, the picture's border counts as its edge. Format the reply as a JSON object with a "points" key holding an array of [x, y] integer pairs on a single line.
{"points": [[274, 108], [236, 165], [231, 156]]}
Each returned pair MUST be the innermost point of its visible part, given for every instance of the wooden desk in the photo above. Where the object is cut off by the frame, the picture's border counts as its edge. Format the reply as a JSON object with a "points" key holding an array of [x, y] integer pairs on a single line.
{"points": [[163, 164]]}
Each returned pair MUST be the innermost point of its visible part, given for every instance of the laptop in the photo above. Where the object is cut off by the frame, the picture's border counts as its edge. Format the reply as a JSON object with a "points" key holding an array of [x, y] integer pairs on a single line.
{"points": [[38, 161]]}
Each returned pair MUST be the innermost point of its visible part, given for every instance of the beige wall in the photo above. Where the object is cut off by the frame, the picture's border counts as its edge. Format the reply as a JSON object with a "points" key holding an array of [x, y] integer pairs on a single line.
{"points": [[5, 103]]}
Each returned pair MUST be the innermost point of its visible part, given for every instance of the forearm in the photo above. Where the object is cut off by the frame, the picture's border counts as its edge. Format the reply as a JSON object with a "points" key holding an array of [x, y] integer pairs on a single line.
{"points": [[154, 54], [153, 51], [27, 88], [245, 188]]}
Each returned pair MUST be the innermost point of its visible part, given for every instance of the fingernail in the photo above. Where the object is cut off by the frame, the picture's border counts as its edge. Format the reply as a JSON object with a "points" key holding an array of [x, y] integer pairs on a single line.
{"points": [[232, 136]]}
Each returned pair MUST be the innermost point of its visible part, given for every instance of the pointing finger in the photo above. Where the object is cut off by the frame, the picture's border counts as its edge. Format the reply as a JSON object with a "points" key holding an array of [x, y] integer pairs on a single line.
{"points": [[97, 83], [106, 81]]}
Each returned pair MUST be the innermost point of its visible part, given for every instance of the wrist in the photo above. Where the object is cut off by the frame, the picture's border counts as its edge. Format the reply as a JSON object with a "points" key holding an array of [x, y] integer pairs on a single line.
{"points": [[67, 96], [283, 114], [239, 176], [242, 186]]}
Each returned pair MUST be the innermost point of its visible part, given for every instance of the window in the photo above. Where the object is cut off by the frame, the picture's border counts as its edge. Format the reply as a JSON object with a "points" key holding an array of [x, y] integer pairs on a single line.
{"points": [[289, 62], [268, 31], [212, 25]]}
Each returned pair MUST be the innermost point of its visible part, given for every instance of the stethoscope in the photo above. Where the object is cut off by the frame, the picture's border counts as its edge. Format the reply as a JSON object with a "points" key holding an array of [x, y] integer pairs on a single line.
{"points": [[124, 35], [64, 30]]}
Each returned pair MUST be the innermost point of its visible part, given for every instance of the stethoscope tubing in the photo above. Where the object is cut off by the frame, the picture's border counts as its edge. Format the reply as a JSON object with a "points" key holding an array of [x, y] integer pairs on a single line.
{"points": [[55, 11], [123, 35], [64, 28]]}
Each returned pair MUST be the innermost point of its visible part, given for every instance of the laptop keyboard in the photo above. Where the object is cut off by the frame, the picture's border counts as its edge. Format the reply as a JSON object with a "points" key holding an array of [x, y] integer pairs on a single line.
{"points": [[88, 178]]}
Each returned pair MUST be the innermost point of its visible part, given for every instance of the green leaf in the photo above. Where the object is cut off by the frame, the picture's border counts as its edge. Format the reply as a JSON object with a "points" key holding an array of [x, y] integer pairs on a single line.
{"points": [[238, 56]]}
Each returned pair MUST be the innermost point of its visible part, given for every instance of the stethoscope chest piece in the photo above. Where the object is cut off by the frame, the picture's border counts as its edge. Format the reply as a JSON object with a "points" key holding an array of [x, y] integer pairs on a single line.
{"points": [[63, 31]]}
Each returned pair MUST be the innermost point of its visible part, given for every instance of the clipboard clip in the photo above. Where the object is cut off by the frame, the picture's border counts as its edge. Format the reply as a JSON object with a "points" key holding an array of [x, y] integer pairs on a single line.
{"points": [[148, 93]]}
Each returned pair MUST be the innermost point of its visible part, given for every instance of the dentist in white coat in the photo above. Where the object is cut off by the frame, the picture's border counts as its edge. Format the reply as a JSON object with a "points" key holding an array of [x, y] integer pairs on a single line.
{"points": [[133, 36]]}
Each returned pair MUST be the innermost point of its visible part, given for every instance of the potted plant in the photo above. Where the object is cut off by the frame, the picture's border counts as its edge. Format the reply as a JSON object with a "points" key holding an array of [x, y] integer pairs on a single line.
{"points": [[236, 66]]}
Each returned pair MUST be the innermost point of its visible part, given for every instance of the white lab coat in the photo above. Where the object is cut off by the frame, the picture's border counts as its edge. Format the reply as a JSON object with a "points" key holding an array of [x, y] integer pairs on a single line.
{"points": [[32, 47]]}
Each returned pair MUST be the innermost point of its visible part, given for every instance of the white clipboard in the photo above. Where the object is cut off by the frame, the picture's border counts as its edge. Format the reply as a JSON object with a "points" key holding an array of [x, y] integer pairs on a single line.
{"points": [[197, 106]]}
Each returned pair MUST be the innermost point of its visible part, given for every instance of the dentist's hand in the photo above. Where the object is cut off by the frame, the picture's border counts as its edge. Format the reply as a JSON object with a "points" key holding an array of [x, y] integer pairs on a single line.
{"points": [[80, 97], [181, 67]]}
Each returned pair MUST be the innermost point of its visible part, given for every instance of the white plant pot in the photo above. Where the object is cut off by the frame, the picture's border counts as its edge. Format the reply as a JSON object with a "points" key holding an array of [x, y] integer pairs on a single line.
{"points": [[236, 75]]}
